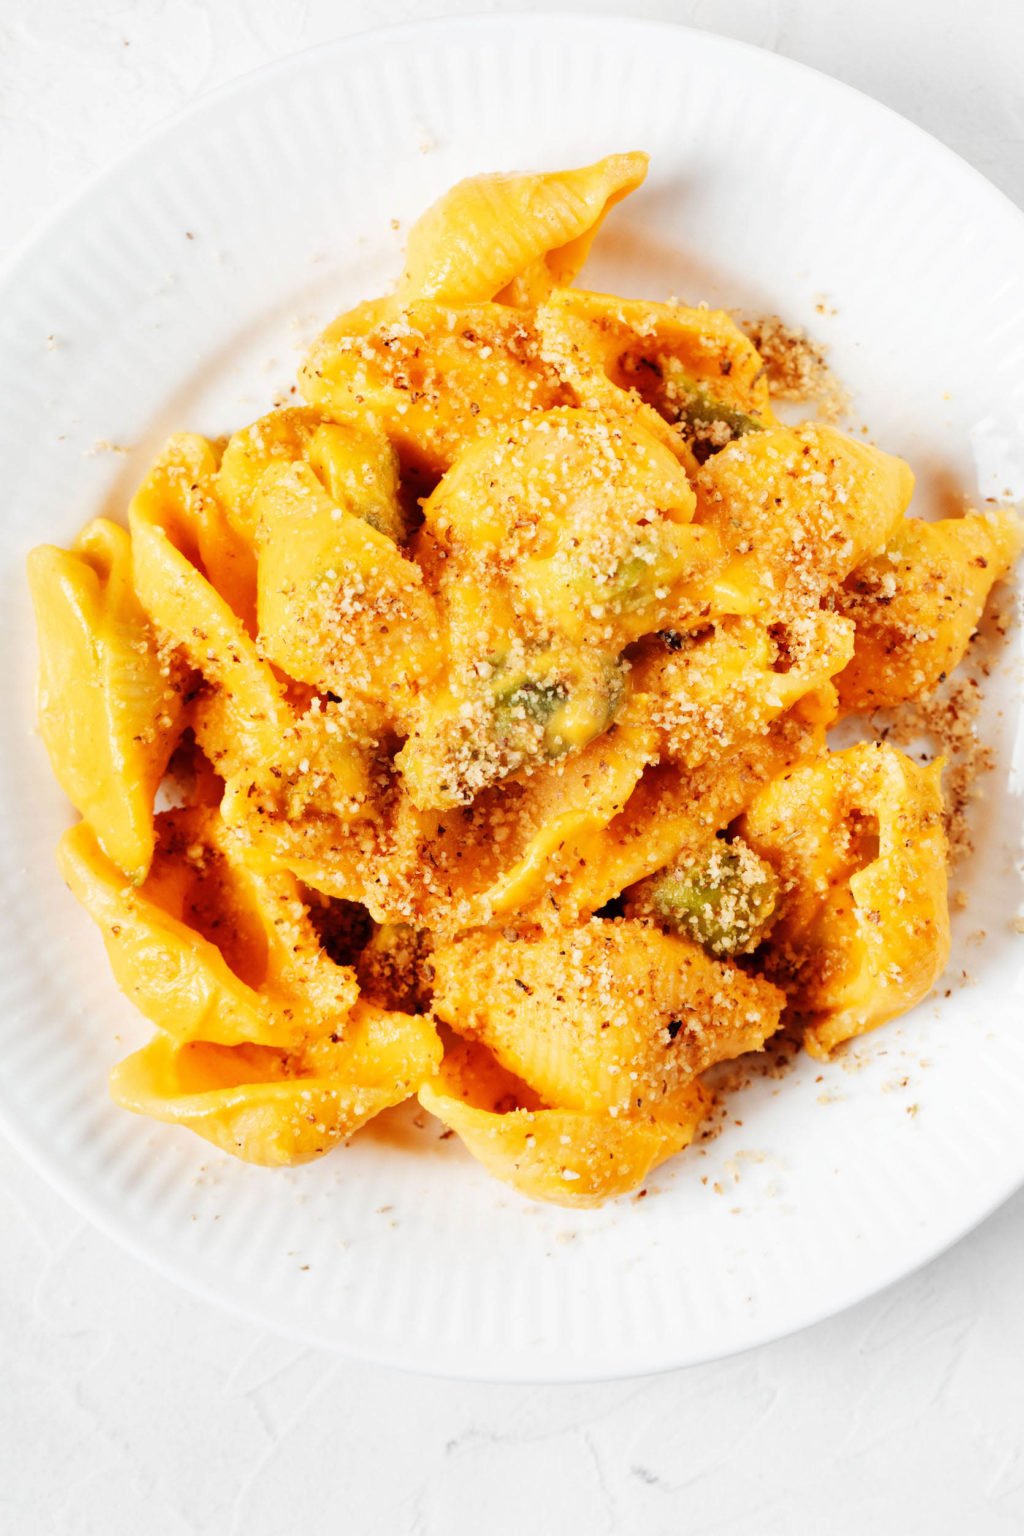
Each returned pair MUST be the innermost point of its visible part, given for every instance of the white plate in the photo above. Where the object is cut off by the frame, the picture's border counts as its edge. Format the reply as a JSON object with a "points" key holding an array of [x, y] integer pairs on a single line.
{"points": [[176, 293]]}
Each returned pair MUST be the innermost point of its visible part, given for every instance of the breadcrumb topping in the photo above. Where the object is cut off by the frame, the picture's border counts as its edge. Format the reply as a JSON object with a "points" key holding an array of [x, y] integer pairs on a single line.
{"points": [[948, 719], [796, 367]]}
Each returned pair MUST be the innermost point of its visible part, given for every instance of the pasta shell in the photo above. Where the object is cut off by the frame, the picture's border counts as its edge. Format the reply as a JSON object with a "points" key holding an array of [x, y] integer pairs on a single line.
{"points": [[613, 1015], [434, 376], [726, 685], [563, 1156], [490, 230], [268, 1107], [917, 603], [256, 974], [856, 838], [340, 606], [182, 603], [796, 510], [110, 701]]}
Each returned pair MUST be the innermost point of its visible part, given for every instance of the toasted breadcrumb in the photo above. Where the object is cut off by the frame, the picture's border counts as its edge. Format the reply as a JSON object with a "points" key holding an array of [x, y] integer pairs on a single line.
{"points": [[948, 719], [796, 367]]}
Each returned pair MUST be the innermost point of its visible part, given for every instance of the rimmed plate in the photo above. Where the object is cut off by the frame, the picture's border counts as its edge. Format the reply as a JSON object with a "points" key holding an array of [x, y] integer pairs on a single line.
{"points": [[176, 293]]}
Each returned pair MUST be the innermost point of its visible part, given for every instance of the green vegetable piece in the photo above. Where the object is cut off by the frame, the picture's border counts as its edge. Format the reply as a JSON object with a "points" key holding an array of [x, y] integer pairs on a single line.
{"points": [[531, 700], [723, 898], [633, 582], [710, 423], [558, 710], [706, 421]]}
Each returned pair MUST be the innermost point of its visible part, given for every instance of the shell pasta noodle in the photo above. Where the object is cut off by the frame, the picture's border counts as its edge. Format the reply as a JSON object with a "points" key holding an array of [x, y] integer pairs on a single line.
{"points": [[462, 733]]}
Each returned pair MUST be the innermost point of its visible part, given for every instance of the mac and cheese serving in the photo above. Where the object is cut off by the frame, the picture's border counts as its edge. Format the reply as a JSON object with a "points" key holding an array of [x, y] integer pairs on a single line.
{"points": [[487, 694]]}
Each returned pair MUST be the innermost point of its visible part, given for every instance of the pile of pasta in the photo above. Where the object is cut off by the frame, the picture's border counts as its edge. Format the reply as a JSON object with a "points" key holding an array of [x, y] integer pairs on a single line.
{"points": [[486, 695]]}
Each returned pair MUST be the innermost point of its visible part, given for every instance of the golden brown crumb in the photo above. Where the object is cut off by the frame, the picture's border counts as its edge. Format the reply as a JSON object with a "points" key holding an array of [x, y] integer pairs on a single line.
{"points": [[796, 367], [948, 719]]}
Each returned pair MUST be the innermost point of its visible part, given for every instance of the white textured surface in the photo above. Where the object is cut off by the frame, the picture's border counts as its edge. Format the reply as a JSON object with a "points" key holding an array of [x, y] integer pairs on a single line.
{"points": [[117, 1427]]}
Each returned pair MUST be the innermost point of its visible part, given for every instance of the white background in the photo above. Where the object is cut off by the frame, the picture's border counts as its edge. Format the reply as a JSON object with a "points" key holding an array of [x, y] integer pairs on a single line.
{"points": [[127, 1407]]}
